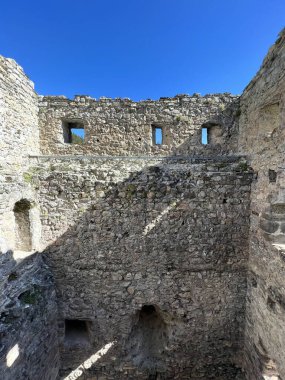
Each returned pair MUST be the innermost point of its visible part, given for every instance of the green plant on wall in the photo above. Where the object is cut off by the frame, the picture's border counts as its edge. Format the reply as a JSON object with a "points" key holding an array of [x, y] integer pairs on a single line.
{"points": [[76, 139], [12, 276], [243, 167], [30, 297], [28, 177], [130, 190]]}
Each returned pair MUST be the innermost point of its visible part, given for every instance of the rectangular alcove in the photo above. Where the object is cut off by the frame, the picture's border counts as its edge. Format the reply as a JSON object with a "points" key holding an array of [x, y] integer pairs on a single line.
{"points": [[269, 119], [73, 132], [77, 332]]}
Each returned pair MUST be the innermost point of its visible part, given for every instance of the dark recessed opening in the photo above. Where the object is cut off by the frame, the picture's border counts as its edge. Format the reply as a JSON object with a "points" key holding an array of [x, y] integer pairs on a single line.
{"points": [[148, 339], [157, 135], [73, 132], [271, 303], [148, 309], [76, 332], [272, 175], [253, 283], [153, 376]]}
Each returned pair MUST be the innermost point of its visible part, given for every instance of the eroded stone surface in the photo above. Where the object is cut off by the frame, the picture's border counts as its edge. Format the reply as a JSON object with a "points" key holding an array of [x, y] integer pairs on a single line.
{"points": [[262, 136], [172, 235]]}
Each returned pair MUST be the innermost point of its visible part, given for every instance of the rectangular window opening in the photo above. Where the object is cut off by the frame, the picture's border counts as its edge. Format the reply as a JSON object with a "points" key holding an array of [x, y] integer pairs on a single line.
{"points": [[76, 332], [157, 135], [205, 136], [73, 132]]}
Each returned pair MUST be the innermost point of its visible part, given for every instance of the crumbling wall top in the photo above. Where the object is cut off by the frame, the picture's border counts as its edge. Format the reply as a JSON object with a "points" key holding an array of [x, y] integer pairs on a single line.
{"points": [[273, 53]]}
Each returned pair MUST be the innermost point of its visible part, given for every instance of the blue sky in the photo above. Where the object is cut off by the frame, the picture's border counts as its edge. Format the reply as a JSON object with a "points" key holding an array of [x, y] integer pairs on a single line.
{"points": [[139, 48]]}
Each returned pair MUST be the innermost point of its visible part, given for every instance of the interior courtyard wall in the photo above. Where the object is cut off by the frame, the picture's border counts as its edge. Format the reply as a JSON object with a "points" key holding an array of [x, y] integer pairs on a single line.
{"points": [[124, 233]]}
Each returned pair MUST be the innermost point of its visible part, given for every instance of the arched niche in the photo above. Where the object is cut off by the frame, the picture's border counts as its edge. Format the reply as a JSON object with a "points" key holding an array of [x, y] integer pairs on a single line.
{"points": [[21, 225], [148, 339], [23, 236]]}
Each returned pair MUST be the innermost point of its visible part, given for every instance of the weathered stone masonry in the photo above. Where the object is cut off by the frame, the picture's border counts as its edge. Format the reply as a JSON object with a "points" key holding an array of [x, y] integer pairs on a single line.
{"points": [[124, 127], [155, 261], [28, 340], [262, 126], [141, 241]]}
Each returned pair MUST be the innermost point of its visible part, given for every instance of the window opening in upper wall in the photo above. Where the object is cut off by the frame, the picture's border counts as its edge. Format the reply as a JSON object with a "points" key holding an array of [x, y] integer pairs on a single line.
{"points": [[212, 134], [73, 132], [23, 238], [157, 135], [204, 136]]}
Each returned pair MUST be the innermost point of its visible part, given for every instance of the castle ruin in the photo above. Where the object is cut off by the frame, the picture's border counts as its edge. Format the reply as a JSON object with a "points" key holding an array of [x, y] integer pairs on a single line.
{"points": [[143, 251]]}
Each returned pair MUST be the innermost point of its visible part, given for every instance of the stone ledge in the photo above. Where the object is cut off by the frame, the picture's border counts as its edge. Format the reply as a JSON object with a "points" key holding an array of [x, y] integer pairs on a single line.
{"points": [[192, 159]]}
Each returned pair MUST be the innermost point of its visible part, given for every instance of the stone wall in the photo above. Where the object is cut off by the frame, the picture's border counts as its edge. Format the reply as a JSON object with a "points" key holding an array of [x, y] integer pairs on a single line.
{"points": [[262, 137], [19, 133], [124, 127], [150, 255], [28, 311], [19, 137], [28, 324]]}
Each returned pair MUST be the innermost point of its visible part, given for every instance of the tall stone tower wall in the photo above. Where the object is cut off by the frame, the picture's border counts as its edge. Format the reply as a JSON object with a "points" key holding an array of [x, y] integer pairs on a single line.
{"points": [[262, 138], [18, 113], [28, 337], [19, 137]]}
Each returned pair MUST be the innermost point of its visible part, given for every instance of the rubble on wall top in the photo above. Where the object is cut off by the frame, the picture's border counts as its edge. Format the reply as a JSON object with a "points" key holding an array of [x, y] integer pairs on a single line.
{"points": [[13, 67], [178, 97]]}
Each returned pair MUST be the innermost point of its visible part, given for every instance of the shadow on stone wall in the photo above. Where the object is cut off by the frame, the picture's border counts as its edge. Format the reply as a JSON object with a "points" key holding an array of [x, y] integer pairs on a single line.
{"points": [[29, 346], [171, 237]]}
